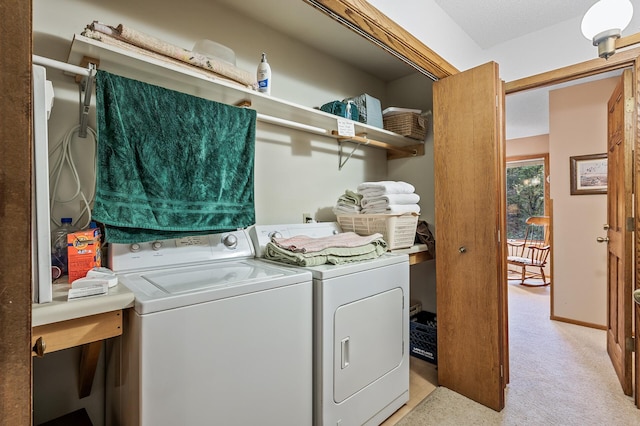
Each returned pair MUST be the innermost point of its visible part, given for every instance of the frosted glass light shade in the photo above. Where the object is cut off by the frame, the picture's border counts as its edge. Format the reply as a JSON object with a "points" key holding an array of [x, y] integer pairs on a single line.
{"points": [[606, 15]]}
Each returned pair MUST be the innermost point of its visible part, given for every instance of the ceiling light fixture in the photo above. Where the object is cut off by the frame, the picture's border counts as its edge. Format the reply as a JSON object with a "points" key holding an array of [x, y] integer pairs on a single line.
{"points": [[604, 22]]}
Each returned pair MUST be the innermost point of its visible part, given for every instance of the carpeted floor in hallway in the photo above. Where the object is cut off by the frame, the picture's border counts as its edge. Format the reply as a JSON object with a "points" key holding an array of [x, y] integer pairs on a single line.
{"points": [[560, 375]]}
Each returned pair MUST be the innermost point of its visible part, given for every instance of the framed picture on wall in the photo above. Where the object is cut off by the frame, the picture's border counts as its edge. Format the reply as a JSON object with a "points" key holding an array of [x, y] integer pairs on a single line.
{"points": [[588, 174]]}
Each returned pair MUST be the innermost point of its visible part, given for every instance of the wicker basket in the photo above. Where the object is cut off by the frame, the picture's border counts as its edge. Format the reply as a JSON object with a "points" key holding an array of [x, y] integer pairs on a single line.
{"points": [[399, 231], [407, 124]]}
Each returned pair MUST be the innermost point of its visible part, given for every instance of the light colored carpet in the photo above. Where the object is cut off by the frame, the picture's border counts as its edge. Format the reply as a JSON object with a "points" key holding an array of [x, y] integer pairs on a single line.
{"points": [[560, 375]]}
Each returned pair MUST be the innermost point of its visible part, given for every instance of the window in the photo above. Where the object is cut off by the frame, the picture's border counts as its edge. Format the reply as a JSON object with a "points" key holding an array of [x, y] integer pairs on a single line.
{"points": [[527, 192]]}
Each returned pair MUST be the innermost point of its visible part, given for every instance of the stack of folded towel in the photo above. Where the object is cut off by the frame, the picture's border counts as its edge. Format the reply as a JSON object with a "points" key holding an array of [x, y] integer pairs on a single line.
{"points": [[388, 197], [336, 249], [348, 203]]}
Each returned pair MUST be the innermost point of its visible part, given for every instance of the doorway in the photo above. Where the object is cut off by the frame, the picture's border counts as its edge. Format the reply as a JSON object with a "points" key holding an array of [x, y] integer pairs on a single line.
{"points": [[527, 195], [571, 208], [575, 125]]}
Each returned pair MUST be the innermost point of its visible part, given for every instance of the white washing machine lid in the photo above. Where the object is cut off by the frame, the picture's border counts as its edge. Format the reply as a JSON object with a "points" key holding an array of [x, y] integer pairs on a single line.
{"points": [[173, 287]]}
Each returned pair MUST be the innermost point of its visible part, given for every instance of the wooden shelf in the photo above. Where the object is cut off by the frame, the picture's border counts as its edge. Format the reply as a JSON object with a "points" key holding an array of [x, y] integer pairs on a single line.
{"points": [[190, 80]]}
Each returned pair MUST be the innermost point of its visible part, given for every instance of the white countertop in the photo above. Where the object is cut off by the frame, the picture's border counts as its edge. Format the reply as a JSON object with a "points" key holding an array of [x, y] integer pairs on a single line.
{"points": [[119, 297]]}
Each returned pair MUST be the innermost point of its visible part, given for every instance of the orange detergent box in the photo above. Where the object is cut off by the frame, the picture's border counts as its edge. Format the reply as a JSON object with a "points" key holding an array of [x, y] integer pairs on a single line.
{"points": [[83, 252]]}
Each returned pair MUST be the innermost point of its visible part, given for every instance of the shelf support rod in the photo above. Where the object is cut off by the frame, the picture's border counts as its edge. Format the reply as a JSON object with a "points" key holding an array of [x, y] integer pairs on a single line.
{"points": [[63, 66], [88, 74], [290, 124]]}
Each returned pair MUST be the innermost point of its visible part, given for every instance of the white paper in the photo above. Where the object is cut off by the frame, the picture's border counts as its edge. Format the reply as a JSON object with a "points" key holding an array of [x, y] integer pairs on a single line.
{"points": [[346, 127]]}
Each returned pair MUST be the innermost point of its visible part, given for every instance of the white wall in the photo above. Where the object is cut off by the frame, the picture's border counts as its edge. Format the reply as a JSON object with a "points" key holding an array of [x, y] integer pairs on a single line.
{"points": [[527, 146], [295, 172], [578, 126], [431, 25]]}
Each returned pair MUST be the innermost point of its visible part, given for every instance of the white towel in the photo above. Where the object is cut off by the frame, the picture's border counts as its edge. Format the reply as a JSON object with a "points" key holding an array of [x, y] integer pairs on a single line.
{"points": [[346, 209], [385, 200], [374, 189], [393, 209]]}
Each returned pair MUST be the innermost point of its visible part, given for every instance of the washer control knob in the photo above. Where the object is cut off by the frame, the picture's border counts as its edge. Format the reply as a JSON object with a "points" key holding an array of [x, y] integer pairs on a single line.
{"points": [[275, 234], [135, 247], [156, 245], [230, 241]]}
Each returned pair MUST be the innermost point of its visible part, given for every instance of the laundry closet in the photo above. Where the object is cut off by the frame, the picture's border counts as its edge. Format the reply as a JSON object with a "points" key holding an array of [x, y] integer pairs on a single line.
{"points": [[297, 172]]}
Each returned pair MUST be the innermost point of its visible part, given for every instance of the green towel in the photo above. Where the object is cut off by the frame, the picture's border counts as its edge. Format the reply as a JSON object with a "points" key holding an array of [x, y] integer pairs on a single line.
{"points": [[170, 164]]}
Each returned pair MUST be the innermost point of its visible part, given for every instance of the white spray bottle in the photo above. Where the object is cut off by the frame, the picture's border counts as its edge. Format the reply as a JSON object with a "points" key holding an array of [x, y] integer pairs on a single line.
{"points": [[264, 75]]}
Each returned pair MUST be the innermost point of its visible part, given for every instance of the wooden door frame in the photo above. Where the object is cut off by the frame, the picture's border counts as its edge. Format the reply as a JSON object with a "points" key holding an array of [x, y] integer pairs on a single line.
{"points": [[15, 213]]}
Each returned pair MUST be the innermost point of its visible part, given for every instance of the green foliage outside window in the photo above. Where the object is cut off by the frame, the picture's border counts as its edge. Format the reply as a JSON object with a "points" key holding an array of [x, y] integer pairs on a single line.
{"points": [[525, 196]]}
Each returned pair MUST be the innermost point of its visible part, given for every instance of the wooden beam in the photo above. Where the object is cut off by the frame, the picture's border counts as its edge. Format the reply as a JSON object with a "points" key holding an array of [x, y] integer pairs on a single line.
{"points": [[88, 364], [79, 331], [383, 30], [15, 213], [572, 72], [627, 41]]}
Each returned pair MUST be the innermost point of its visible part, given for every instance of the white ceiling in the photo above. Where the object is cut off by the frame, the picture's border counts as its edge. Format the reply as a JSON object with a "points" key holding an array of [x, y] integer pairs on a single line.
{"points": [[491, 22]]}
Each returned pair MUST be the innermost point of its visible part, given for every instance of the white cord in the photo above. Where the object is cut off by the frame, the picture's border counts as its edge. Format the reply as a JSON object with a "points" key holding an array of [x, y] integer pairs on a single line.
{"points": [[65, 159]]}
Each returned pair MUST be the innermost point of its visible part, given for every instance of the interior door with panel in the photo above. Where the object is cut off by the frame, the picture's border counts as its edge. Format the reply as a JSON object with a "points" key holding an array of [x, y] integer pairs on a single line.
{"points": [[471, 279], [621, 107]]}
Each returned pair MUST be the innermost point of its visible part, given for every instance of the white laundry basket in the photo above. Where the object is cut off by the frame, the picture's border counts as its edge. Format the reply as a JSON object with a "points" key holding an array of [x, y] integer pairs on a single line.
{"points": [[399, 231]]}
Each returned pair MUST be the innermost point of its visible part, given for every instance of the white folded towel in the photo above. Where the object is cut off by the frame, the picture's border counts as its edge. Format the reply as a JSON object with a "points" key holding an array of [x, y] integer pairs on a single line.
{"points": [[385, 200], [393, 209], [374, 189], [346, 209]]}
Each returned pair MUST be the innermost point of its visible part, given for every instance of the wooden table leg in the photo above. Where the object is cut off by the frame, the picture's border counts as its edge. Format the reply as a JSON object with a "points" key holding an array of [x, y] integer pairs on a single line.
{"points": [[88, 365]]}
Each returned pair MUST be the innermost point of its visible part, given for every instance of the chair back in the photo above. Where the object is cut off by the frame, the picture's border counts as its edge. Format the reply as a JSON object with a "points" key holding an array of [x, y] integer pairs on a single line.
{"points": [[537, 239]]}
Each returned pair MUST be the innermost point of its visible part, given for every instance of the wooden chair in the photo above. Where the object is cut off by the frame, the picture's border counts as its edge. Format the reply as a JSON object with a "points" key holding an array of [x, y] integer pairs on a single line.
{"points": [[532, 252]]}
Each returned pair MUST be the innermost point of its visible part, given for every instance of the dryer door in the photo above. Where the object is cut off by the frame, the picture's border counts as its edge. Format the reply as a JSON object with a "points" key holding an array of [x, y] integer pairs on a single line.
{"points": [[367, 341]]}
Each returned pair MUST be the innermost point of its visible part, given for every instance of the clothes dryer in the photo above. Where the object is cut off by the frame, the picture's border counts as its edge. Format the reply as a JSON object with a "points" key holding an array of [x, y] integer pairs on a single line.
{"points": [[361, 332]]}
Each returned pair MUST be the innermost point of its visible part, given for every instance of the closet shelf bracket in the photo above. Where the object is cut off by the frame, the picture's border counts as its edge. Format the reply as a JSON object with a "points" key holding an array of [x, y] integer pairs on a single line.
{"points": [[86, 86], [358, 140]]}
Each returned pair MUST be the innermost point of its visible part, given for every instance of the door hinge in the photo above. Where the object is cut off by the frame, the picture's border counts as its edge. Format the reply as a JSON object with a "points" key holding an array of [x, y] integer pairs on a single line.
{"points": [[629, 105], [630, 344], [630, 224], [501, 371]]}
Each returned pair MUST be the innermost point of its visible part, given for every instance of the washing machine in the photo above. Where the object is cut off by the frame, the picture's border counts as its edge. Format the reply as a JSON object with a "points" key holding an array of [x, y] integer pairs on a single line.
{"points": [[361, 332], [215, 336]]}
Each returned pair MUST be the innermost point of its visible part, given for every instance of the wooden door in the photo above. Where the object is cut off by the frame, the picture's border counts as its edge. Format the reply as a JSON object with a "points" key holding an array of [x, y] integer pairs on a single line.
{"points": [[471, 284], [15, 221], [619, 217]]}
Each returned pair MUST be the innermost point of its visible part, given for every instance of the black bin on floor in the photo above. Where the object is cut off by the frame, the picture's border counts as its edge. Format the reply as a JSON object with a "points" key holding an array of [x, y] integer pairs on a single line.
{"points": [[423, 336]]}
